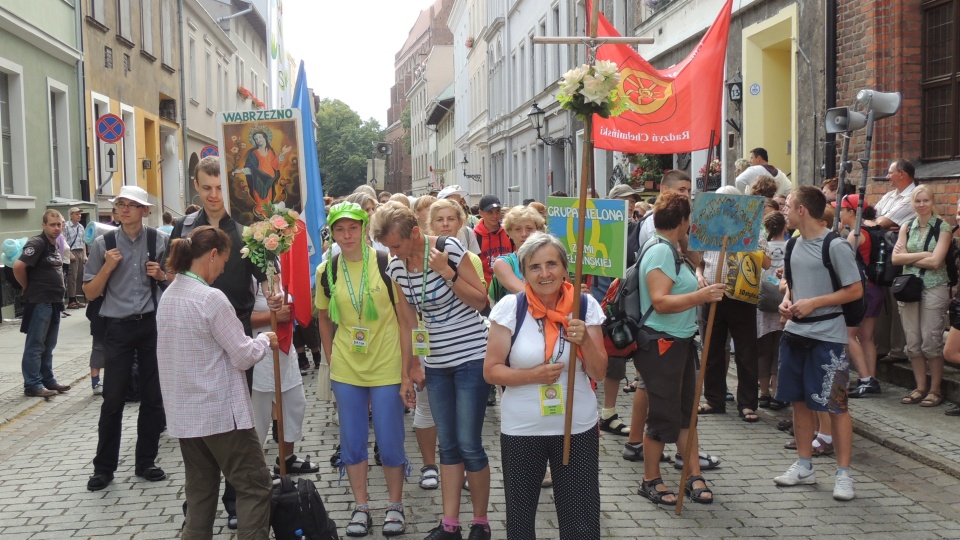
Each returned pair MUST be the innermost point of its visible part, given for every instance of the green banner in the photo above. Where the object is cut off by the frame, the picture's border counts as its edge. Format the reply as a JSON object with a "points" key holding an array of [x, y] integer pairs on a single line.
{"points": [[605, 233]]}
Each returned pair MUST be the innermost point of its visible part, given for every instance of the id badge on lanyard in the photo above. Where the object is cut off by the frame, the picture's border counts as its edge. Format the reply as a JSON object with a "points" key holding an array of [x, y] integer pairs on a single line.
{"points": [[551, 395]]}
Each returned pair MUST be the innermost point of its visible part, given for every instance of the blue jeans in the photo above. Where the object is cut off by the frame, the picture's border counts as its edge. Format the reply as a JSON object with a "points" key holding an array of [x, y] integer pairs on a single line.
{"points": [[458, 398], [352, 402], [37, 363]]}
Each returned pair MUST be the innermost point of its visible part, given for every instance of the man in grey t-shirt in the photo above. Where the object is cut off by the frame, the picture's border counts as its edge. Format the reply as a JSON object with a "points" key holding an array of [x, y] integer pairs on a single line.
{"points": [[813, 363]]}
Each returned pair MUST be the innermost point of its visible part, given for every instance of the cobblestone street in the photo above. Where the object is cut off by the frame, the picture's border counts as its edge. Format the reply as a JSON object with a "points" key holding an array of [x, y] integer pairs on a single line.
{"points": [[45, 454]]}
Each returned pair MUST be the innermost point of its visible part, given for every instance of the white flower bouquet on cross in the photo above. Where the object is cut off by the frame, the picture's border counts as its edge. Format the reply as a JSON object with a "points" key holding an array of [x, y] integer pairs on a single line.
{"points": [[590, 89]]}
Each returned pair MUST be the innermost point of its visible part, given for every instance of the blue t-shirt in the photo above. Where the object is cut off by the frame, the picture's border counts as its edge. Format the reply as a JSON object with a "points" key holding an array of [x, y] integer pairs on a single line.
{"points": [[660, 256]]}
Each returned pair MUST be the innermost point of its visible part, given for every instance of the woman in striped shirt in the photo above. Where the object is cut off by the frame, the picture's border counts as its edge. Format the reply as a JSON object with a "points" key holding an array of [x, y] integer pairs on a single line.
{"points": [[452, 338]]}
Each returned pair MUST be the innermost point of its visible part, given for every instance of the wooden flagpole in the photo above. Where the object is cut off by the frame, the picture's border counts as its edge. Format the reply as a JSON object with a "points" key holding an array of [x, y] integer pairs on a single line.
{"points": [[688, 454], [278, 391]]}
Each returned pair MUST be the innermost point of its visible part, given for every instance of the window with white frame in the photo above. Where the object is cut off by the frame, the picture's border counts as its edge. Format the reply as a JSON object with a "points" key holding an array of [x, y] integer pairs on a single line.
{"points": [[60, 140], [253, 81], [123, 20], [241, 70], [208, 95], [13, 133], [220, 103], [146, 26], [167, 34], [97, 10], [193, 69]]}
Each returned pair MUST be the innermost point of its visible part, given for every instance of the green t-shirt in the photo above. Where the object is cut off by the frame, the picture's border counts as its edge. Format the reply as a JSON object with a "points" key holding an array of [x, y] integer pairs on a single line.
{"points": [[916, 239], [660, 256], [380, 365]]}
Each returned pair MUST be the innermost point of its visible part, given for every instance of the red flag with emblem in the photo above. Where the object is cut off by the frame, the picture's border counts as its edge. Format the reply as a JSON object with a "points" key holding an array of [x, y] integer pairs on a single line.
{"points": [[671, 110]]}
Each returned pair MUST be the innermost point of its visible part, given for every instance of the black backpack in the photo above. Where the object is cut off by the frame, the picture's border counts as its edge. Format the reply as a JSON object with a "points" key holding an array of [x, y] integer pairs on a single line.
{"points": [[624, 318], [298, 507], [881, 269], [852, 311]]}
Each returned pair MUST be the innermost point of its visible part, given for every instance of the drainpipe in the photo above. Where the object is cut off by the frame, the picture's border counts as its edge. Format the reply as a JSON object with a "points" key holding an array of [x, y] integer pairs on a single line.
{"points": [[82, 111], [235, 15], [830, 81], [185, 181]]}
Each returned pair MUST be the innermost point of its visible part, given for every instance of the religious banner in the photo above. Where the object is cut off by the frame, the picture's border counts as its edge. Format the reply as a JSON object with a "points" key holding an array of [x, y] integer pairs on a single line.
{"points": [[605, 233], [665, 111], [260, 158], [730, 220]]}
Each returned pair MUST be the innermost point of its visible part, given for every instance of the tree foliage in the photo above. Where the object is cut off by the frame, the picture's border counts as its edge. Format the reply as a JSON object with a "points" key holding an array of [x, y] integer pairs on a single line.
{"points": [[344, 144], [405, 122]]}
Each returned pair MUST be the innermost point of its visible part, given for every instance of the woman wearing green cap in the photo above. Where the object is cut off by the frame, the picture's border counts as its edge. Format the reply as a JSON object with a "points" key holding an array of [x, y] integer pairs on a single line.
{"points": [[369, 362]]}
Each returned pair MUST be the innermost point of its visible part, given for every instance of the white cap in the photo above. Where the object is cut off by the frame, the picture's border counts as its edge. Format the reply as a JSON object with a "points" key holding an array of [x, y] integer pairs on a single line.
{"points": [[133, 193], [452, 190]]}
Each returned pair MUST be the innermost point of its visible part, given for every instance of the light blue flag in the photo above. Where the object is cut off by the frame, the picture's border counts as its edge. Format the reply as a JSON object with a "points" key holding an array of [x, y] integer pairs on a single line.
{"points": [[314, 212]]}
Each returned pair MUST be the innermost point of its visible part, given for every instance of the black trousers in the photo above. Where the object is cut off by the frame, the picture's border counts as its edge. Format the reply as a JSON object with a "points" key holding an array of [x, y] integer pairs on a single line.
{"points": [[576, 487], [121, 340], [736, 319], [229, 492]]}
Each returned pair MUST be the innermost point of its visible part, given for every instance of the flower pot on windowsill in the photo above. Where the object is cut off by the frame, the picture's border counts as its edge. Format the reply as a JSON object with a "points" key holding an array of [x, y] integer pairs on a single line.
{"points": [[712, 184], [648, 184]]}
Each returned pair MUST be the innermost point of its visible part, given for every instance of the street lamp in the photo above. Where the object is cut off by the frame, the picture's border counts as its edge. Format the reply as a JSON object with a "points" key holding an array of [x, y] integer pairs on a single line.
{"points": [[735, 89], [536, 120], [464, 163]]}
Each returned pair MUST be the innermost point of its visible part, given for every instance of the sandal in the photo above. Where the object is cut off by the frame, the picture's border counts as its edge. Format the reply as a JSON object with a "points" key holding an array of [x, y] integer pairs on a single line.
{"points": [[707, 461], [631, 387], [791, 444], [650, 491], [914, 397], [73, 305], [296, 465], [360, 521], [932, 400], [395, 523], [823, 449], [785, 425], [697, 494], [764, 402], [614, 425], [776, 404], [429, 477], [706, 408], [749, 415]]}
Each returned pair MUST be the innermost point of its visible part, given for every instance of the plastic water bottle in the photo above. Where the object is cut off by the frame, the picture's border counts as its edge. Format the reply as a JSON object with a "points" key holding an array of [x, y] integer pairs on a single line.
{"points": [[881, 260]]}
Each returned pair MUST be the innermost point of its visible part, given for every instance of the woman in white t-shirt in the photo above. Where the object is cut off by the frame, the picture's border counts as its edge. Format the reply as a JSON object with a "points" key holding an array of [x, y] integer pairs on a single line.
{"points": [[531, 359]]}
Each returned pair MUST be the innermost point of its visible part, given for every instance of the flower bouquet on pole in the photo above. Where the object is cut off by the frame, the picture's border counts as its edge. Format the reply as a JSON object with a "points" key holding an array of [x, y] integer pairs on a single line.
{"points": [[591, 89], [264, 241]]}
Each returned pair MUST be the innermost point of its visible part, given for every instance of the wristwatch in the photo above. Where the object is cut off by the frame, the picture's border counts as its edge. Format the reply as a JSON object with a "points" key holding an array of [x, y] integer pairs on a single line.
{"points": [[450, 282]]}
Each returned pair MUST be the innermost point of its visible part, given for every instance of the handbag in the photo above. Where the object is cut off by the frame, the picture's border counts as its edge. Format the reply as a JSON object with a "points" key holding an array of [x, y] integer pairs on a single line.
{"points": [[907, 288], [324, 393]]}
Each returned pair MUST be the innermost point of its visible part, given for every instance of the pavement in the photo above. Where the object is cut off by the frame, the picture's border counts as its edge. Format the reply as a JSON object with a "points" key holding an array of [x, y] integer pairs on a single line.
{"points": [[906, 464]]}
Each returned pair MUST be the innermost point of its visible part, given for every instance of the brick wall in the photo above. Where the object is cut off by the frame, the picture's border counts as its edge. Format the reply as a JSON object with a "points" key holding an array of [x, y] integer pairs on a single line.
{"points": [[879, 47]]}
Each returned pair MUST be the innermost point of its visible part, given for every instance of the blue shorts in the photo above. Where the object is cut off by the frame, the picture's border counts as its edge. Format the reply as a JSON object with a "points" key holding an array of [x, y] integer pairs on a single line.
{"points": [[815, 372], [353, 402]]}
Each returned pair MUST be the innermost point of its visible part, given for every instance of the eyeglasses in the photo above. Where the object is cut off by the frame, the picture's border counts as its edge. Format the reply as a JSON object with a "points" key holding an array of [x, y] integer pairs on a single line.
{"points": [[123, 206]]}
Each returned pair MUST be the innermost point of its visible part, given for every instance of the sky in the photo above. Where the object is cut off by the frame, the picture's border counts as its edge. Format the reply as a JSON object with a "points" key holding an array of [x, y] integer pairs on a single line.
{"points": [[348, 47]]}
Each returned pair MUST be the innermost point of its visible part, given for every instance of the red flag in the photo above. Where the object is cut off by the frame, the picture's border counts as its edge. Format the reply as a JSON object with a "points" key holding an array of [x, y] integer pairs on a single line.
{"points": [[296, 276], [667, 111]]}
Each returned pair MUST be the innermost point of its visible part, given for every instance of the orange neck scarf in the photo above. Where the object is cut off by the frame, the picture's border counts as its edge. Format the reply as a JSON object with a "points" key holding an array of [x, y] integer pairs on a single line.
{"points": [[554, 318]]}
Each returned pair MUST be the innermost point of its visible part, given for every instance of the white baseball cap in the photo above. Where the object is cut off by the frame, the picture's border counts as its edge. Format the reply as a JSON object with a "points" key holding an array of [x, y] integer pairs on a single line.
{"points": [[452, 190]]}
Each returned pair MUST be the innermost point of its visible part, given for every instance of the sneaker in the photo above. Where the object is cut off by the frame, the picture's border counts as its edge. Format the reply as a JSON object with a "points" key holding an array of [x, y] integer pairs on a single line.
{"points": [[797, 474], [492, 396], [843, 488], [870, 387], [547, 481], [479, 532], [439, 534], [98, 389]]}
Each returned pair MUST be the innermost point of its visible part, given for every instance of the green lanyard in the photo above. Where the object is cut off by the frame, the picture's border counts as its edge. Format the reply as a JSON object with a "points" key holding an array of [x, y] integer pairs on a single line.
{"points": [[423, 282], [196, 277], [363, 279]]}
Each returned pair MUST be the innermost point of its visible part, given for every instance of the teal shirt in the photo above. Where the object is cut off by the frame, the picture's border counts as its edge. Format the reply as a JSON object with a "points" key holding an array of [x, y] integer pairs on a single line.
{"points": [[916, 238], [660, 256]]}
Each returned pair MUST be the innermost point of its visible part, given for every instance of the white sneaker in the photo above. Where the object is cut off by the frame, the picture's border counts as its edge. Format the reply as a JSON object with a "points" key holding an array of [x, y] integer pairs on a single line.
{"points": [[843, 488], [797, 474], [98, 389]]}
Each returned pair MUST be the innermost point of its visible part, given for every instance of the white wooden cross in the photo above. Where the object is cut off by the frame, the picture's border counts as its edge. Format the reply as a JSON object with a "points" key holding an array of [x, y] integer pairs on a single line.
{"points": [[592, 43]]}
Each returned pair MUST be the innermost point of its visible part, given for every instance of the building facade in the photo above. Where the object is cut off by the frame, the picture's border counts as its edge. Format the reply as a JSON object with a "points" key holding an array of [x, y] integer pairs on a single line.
{"points": [[41, 110], [435, 75], [428, 31], [132, 66]]}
